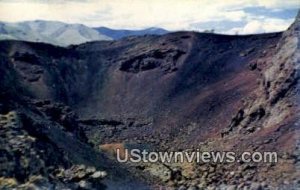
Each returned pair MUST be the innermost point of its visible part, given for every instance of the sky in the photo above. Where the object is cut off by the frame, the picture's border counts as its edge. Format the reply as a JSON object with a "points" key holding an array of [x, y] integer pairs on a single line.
{"points": [[224, 16]]}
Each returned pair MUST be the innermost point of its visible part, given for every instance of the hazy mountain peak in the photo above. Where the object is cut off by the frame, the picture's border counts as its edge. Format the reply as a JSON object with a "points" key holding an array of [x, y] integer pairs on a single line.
{"points": [[54, 32], [121, 33], [63, 34]]}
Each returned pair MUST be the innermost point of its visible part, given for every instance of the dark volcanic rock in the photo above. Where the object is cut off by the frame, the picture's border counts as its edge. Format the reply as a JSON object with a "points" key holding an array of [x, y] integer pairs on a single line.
{"points": [[165, 60], [172, 92]]}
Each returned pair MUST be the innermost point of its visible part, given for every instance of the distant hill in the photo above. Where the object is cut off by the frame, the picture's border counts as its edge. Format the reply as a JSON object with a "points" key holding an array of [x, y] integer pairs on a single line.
{"points": [[117, 34], [53, 32], [63, 34]]}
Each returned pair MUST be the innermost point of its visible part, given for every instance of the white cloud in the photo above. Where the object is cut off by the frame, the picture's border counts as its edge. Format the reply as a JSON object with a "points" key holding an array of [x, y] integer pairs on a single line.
{"points": [[169, 14], [279, 4], [262, 26]]}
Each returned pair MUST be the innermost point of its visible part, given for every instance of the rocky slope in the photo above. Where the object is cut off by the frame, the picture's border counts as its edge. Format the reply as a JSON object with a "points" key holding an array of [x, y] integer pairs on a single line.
{"points": [[73, 106]]}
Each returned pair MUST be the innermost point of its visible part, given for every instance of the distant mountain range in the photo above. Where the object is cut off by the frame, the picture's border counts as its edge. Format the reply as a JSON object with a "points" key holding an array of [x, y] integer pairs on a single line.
{"points": [[118, 34], [53, 32], [63, 34]]}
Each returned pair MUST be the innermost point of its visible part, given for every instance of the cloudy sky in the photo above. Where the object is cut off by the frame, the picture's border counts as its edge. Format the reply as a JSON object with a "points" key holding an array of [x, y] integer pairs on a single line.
{"points": [[224, 16]]}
